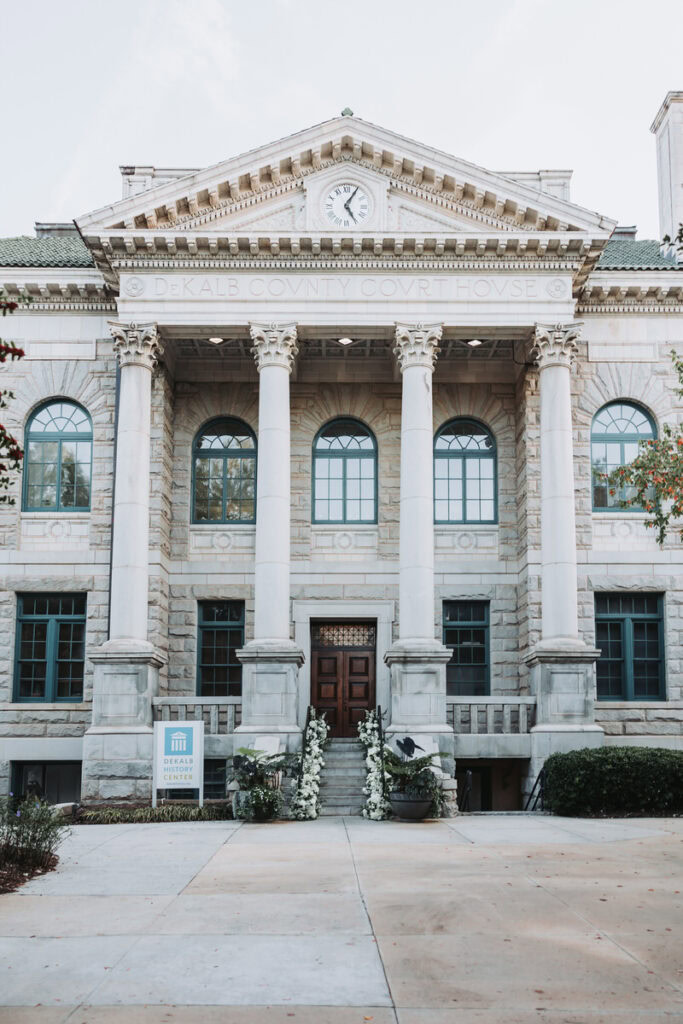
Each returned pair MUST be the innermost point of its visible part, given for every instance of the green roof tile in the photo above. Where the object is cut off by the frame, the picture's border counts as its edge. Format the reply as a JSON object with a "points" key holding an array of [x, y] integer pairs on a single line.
{"points": [[631, 254], [56, 251]]}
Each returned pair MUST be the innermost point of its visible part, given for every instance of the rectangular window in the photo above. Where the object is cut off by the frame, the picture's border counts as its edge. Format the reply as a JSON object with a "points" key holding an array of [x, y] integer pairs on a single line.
{"points": [[629, 632], [58, 782], [221, 634], [466, 632], [50, 647]]}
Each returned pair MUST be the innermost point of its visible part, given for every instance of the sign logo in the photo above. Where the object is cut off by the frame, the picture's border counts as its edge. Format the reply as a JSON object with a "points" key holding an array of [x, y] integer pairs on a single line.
{"points": [[177, 741]]}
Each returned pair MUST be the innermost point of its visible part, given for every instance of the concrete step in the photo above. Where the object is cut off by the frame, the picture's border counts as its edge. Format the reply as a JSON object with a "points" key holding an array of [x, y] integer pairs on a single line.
{"points": [[348, 771], [329, 810]]}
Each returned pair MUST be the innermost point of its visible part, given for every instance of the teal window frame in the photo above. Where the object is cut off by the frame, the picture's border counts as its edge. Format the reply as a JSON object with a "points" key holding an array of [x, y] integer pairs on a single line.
{"points": [[231, 629], [622, 439], [345, 455], [53, 646], [464, 625], [224, 454], [623, 616], [60, 438], [464, 456]]}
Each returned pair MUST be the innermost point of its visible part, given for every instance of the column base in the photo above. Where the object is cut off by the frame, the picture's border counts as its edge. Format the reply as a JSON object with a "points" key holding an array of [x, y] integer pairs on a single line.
{"points": [[418, 697], [270, 693], [563, 681], [118, 746]]}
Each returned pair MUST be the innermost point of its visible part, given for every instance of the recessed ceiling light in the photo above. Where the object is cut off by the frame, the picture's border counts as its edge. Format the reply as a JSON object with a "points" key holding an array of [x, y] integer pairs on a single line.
{"points": [[216, 341], [346, 341], [474, 343]]}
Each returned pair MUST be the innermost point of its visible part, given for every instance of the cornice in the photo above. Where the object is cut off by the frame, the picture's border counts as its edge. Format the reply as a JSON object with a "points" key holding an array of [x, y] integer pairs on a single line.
{"points": [[634, 308], [303, 264], [344, 138]]}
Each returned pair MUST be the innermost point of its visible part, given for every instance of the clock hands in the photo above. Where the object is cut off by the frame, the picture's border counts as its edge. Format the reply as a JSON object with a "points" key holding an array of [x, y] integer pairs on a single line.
{"points": [[347, 205]]}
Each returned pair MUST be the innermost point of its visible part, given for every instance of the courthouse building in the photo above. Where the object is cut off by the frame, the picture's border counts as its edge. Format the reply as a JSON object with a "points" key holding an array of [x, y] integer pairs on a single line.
{"points": [[324, 425]]}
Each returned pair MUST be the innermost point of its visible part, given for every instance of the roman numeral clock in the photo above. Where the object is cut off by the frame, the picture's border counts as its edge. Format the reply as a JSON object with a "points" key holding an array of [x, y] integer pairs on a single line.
{"points": [[346, 206]]}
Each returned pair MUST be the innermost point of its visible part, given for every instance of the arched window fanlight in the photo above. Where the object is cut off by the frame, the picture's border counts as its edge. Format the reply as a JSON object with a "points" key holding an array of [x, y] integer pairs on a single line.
{"points": [[345, 473], [224, 466], [616, 433], [57, 472], [464, 473]]}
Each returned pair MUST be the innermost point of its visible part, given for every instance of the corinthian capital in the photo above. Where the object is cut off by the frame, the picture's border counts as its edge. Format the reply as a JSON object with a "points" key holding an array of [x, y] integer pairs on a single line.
{"points": [[555, 344], [136, 344], [417, 345], [274, 345]]}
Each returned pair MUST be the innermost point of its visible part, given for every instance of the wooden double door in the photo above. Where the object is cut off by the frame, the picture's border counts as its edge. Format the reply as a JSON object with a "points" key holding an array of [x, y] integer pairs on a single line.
{"points": [[343, 673]]}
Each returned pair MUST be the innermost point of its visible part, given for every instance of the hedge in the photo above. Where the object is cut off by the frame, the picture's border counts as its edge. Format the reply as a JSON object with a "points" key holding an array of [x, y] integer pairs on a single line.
{"points": [[615, 781], [128, 815]]}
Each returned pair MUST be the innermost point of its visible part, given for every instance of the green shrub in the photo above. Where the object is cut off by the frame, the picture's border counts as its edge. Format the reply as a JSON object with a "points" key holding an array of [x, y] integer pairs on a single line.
{"points": [[615, 781], [145, 815], [260, 803], [30, 833]]}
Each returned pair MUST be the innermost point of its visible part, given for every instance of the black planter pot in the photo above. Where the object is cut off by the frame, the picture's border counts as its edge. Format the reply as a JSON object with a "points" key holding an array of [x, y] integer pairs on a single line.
{"points": [[409, 806]]}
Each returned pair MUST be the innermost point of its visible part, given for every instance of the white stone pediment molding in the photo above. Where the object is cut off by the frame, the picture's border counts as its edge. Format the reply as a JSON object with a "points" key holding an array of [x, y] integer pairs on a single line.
{"points": [[343, 147]]}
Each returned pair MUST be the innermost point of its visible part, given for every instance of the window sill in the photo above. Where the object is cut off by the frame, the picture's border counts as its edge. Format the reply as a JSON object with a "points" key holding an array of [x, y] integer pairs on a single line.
{"points": [[53, 513], [625, 705], [38, 705]]}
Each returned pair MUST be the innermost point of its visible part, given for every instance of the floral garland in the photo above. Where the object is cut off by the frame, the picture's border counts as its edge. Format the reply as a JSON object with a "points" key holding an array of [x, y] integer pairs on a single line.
{"points": [[376, 805], [306, 799]]}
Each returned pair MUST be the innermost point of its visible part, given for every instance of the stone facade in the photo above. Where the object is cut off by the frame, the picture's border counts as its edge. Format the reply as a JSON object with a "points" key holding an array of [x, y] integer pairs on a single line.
{"points": [[488, 284]]}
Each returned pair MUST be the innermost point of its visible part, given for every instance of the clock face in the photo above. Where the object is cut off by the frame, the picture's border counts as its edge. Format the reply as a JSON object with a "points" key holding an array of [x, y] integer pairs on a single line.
{"points": [[346, 206]]}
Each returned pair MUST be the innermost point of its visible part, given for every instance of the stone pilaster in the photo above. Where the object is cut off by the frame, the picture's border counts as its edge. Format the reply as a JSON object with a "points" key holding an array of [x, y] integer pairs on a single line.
{"points": [[271, 660], [562, 667], [418, 660], [117, 751]]}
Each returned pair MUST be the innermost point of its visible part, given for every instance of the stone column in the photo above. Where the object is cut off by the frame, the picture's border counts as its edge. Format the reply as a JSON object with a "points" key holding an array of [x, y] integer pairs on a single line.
{"points": [[562, 666], [117, 750], [417, 660], [271, 660]]}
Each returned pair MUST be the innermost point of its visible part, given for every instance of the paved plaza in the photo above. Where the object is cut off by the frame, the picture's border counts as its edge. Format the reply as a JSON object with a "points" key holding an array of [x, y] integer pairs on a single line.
{"points": [[484, 919]]}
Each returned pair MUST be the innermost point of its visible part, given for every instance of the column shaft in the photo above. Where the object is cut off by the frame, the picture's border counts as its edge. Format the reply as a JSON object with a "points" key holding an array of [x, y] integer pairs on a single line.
{"points": [[558, 527], [137, 347], [555, 350], [416, 586], [273, 507]]}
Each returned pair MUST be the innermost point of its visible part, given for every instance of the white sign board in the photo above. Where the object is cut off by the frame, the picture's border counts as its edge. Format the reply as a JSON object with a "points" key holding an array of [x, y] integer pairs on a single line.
{"points": [[178, 757]]}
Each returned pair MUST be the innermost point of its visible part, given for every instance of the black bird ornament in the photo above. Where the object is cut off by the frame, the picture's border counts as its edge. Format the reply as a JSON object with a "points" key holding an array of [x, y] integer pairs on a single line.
{"points": [[408, 746]]}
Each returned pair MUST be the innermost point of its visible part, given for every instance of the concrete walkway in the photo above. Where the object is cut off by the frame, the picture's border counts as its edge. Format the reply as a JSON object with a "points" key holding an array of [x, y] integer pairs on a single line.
{"points": [[482, 919]]}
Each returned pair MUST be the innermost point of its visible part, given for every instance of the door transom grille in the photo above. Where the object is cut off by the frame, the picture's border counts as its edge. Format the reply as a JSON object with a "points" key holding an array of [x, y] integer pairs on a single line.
{"points": [[344, 635]]}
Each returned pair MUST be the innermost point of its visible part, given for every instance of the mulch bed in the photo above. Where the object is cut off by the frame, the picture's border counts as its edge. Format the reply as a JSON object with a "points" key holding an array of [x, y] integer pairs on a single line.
{"points": [[14, 875]]}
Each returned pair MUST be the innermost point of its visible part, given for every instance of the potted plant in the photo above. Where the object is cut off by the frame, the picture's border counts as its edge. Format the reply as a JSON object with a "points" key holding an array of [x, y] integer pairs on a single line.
{"points": [[258, 776], [414, 789]]}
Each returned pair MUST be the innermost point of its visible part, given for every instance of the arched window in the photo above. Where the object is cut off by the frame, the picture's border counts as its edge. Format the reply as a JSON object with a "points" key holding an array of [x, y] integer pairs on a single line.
{"points": [[224, 455], [464, 473], [58, 459], [345, 474], [616, 433]]}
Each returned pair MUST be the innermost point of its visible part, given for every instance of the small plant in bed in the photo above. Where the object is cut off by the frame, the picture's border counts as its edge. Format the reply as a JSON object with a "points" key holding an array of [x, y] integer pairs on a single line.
{"points": [[30, 834], [258, 776]]}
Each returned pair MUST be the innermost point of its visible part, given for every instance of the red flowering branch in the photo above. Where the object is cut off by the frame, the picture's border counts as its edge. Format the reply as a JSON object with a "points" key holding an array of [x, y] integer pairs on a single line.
{"points": [[11, 453], [655, 477]]}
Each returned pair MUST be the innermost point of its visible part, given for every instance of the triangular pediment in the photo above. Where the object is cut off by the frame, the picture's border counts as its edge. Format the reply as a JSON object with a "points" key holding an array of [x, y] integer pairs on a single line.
{"points": [[274, 189]]}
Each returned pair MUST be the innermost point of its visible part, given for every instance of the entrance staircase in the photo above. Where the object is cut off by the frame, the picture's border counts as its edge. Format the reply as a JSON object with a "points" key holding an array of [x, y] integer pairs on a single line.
{"points": [[342, 778]]}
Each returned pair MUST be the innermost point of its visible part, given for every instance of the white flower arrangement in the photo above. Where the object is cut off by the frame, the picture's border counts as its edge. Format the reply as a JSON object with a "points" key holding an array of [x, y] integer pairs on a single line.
{"points": [[376, 805], [306, 798]]}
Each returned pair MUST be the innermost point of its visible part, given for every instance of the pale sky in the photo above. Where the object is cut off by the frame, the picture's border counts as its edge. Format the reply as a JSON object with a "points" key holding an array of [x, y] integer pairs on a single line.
{"points": [[509, 84]]}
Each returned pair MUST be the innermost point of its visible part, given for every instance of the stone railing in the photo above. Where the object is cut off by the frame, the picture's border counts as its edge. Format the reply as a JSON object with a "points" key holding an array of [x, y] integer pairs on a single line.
{"points": [[220, 714], [511, 716]]}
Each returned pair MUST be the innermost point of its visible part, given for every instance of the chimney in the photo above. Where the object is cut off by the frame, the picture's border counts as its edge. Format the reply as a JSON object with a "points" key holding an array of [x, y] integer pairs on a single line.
{"points": [[668, 129]]}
